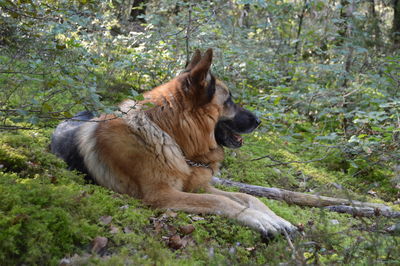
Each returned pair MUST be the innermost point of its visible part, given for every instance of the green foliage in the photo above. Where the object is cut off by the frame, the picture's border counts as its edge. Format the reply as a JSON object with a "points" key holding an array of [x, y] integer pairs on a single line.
{"points": [[323, 77]]}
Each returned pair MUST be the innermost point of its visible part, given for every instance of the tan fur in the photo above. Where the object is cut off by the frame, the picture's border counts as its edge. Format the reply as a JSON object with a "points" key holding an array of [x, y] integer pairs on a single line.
{"points": [[143, 153]]}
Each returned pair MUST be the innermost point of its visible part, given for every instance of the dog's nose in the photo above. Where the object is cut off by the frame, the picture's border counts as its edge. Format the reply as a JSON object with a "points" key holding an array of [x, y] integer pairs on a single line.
{"points": [[258, 121]]}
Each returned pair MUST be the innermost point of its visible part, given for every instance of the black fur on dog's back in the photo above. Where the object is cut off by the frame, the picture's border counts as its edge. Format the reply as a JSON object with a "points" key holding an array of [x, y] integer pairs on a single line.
{"points": [[64, 142]]}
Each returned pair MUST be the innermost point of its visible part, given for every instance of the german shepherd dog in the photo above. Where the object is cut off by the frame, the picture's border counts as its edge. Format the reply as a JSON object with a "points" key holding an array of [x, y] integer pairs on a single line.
{"points": [[166, 153]]}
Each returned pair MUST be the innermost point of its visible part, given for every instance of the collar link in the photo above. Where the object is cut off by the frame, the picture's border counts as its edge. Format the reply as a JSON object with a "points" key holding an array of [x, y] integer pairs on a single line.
{"points": [[199, 164]]}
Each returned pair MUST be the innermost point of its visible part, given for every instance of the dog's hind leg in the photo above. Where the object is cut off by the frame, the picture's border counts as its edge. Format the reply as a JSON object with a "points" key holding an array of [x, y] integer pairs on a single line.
{"points": [[253, 203], [170, 198]]}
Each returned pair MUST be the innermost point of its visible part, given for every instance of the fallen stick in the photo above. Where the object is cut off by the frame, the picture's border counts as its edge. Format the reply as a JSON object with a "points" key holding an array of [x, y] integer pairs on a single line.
{"points": [[364, 211], [357, 208]]}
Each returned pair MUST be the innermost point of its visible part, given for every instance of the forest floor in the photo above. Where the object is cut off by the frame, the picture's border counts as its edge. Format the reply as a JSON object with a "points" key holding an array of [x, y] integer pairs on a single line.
{"points": [[49, 215]]}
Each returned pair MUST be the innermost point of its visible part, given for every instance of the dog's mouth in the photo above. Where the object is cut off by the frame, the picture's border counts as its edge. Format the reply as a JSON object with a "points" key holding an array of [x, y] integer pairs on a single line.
{"points": [[238, 138], [227, 137], [227, 131]]}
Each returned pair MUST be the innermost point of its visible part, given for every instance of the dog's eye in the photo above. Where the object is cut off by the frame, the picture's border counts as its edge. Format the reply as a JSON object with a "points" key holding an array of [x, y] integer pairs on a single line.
{"points": [[228, 101]]}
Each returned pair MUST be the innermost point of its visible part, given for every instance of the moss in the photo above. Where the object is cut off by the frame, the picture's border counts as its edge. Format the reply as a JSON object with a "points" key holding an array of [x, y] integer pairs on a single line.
{"points": [[38, 218], [314, 176], [11, 160], [48, 213]]}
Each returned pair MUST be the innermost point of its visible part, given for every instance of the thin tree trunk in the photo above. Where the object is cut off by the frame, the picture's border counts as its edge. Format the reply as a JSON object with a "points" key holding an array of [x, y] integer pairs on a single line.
{"points": [[396, 24], [125, 11], [187, 36], [343, 23], [130, 10], [244, 16], [348, 34], [299, 28], [375, 25]]}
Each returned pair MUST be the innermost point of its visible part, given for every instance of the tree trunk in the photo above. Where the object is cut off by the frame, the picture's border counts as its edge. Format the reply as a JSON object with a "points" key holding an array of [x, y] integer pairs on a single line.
{"points": [[342, 25], [129, 10], [244, 16], [125, 10], [376, 31], [396, 24], [299, 28]]}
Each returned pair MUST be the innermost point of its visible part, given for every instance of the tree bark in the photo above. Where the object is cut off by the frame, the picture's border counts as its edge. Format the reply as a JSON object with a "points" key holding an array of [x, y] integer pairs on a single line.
{"points": [[126, 9], [396, 23], [354, 207], [364, 211], [129, 11], [375, 25], [299, 28], [244, 16], [342, 31]]}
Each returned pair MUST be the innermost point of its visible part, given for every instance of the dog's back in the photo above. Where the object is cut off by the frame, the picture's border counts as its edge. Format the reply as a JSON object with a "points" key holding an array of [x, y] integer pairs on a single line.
{"points": [[64, 141]]}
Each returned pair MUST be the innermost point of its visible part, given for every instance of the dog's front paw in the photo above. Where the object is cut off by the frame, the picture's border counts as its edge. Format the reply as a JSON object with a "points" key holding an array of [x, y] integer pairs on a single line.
{"points": [[283, 226], [267, 225], [258, 221]]}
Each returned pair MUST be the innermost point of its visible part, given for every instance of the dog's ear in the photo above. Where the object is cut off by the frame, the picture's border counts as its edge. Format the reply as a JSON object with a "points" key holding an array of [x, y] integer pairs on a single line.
{"points": [[195, 59], [199, 73], [203, 83]]}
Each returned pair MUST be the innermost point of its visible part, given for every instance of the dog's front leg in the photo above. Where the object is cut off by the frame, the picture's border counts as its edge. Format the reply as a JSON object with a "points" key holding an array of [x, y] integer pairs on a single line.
{"points": [[254, 203], [169, 198]]}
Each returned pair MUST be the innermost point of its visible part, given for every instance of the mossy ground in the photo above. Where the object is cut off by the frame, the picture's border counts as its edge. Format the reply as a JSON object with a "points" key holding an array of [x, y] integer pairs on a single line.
{"points": [[48, 213]]}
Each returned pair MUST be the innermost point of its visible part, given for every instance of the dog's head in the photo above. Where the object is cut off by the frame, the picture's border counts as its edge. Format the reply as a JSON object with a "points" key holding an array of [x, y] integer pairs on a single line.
{"points": [[233, 120]]}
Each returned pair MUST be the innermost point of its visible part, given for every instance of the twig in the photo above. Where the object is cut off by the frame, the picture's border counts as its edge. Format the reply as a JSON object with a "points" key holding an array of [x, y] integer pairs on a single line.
{"points": [[351, 92], [5, 127], [28, 16], [187, 36], [290, 162], [23, 73], [294, 252]]}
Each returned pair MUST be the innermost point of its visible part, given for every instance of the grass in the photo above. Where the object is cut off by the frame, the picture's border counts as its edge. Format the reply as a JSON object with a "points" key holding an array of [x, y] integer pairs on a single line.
{"points": [[48, 213]]}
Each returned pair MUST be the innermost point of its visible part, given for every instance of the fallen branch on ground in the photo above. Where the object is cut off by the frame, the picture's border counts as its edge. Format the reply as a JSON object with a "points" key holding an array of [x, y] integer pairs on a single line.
{"points": [[357, 208], [364, 211]]}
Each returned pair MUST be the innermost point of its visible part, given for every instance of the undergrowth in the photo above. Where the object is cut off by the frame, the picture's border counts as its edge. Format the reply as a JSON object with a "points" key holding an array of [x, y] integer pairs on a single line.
{"points": [[49, 214]]}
